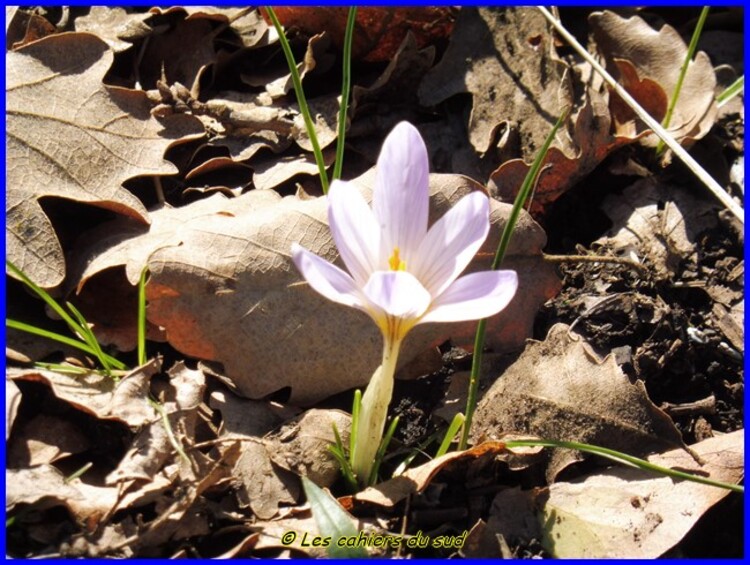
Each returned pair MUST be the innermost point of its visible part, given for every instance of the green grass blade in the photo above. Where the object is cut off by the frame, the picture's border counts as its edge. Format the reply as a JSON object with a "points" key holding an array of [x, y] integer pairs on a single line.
{"points": [[44, 295], [372, 479], [625, 459], [301, 100], [332, 520], [450, 433], [523, 194], [28, 328], [346, 83], [142, 317], [356, 407], [731, 91], [89, 337], [683, 71], [338, 452]]}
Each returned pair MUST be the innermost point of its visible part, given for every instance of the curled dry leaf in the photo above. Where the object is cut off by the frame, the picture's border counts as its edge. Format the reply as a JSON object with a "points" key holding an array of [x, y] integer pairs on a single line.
{"points": [[44, 487], [224, 288], [505, 58], [115, 26], [245, 23], [412, 481], [656, 57], [559, 389], [625, 512], [657, 224], [259, 483], [153, 446], [302, 445], [12, 401], [620, 512], [497, 55], [69, 136], [98, 395], [45, 439]]}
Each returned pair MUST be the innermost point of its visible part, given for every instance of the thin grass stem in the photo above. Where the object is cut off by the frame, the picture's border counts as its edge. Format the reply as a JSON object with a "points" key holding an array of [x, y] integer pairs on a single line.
{"points": [[301, 100], [523, 194], [346, 83], [625, 459], [683, 71], [142, 317]]}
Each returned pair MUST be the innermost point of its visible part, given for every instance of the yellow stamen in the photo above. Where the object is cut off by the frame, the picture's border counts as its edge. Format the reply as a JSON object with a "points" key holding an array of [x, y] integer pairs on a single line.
{"points": [[395, 262]]}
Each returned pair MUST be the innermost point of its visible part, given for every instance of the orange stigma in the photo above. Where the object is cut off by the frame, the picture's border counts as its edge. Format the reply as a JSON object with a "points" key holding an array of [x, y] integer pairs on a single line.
{"points": [[395, 262]]}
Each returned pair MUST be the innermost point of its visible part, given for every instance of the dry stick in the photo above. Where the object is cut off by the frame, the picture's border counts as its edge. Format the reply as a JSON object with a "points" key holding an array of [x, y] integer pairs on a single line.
{"points": [[684, 156], [593, 259]]}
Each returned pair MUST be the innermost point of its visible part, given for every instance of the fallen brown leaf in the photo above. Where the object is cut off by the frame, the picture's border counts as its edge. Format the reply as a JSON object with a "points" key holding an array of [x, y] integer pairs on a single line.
{"points": [[412, 481], [629, 513], [69, 136], [559, 389], [658, 56], [658, 225], [97, 394]]}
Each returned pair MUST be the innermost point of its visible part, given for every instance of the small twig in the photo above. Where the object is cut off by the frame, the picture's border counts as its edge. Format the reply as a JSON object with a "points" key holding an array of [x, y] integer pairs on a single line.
{"points": [[593, 259], [704, 406], [655, 126]]}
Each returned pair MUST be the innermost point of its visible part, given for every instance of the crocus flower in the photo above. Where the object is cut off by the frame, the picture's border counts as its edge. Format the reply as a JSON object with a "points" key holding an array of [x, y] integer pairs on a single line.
{"points": [[400, 272]]}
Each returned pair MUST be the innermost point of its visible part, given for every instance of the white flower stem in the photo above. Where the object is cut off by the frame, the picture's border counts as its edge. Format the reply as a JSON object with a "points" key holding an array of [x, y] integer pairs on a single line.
{"points": [[373, 412]]}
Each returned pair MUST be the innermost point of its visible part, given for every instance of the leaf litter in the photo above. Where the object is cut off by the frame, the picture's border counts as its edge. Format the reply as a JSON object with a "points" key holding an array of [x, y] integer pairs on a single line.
{"points": [[641, 350]]}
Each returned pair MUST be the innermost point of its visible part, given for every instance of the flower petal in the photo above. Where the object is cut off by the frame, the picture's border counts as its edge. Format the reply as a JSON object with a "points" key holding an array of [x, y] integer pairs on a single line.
{"points": [[452, 242], [401, 196], [327, 279], [354, 230], [398, 294], [473, 297]]}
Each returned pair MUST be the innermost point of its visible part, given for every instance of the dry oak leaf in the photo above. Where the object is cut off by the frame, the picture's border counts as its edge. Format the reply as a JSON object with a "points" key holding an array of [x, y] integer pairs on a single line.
{"points": [[45, 486], [629, 513], [98, 395], [594, 135], [226, 290], [504, 58], [247, 24], [70, 136], [116, 26], [560, 389], [657, 57], [658, 224]]}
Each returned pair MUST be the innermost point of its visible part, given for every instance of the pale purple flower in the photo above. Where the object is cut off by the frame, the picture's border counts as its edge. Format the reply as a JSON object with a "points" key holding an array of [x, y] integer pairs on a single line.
{"points": [[401, 273]]}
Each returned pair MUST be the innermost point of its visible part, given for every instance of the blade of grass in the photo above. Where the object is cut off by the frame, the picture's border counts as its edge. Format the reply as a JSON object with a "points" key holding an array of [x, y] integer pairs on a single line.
{"points": [[520, 201], [683, 71], [142, 317], [346, 83], [89, 337], [625, 459], [44, 295], [655, 126], [450, 433], [338, 452], [28, 328], [731, 91], [301, 100], [381, 452], [356, 406]]}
